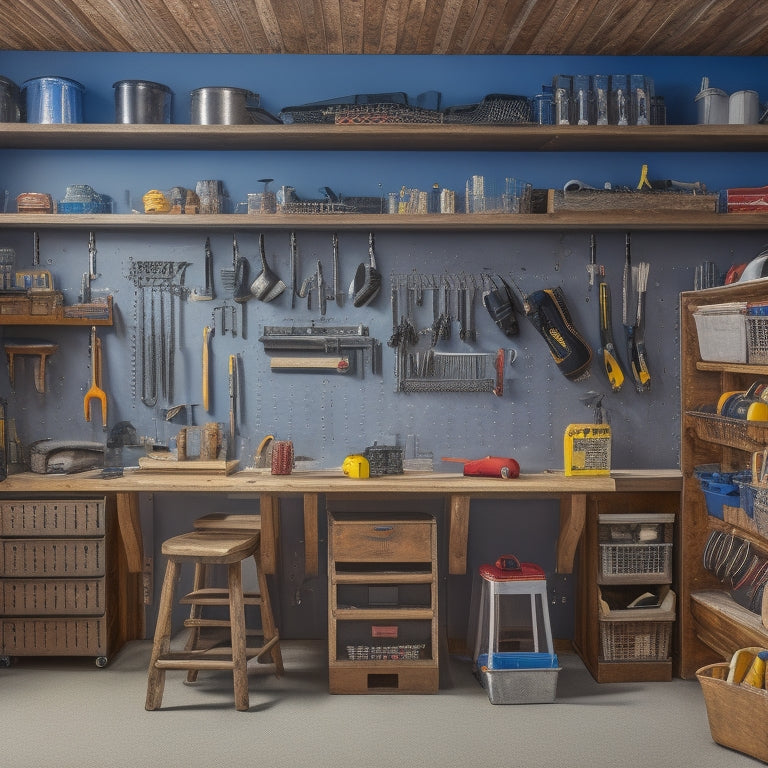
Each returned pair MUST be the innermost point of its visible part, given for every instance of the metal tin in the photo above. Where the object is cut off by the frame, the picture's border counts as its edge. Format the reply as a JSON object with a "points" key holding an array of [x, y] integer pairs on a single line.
{"points": [[11, 110], [222, 106], [53, 100], [142, 101]]}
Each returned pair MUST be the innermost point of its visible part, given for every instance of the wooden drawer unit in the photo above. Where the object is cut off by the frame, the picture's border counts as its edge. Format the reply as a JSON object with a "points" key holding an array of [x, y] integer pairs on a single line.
{"points": [[382, 617], [54, 577], [395, 539]]}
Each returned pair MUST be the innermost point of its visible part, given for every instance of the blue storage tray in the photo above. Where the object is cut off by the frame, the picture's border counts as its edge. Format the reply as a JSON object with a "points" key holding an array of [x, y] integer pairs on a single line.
{"points": [[521, 660]]}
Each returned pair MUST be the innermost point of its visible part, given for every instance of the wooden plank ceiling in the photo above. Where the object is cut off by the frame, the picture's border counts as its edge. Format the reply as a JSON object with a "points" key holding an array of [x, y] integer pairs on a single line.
{"points": [[578, 27]]}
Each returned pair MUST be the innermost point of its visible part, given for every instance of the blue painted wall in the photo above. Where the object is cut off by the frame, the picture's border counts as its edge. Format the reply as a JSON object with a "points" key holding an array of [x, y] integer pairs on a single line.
{"points": [[327, 418]]}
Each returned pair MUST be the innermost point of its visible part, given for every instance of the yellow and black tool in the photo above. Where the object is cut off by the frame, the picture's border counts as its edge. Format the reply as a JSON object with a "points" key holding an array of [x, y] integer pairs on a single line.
{"points": [[611, 364]]}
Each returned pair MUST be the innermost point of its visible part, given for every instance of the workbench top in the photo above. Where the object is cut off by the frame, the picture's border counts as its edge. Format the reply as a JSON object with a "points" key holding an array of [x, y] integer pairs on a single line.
{"points": [[255, 481]]}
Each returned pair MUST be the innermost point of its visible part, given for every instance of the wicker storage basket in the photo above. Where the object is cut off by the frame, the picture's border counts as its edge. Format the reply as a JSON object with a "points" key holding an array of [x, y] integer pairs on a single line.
{"points": [[736, 713]]}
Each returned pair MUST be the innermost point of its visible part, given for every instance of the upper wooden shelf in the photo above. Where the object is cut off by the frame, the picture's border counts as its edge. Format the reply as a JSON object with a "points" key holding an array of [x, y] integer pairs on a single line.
{"points": [[392, 137], [569, 220]]}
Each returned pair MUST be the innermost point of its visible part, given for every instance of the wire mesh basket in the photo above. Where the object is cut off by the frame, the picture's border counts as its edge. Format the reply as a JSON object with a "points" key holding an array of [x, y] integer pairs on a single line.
{"points": [[760, 510], [736, 433], [757, 339], [635, 640], [624, 563], [400, 652], [499, 108], [375, 114]]}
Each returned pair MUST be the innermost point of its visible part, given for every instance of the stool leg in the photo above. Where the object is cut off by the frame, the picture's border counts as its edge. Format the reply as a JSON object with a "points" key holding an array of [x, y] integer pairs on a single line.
{"points": [[239, 642], [481, 619], [547, 623], [267, 617], [493, 608], [534, 623], [162, 642], [195, 612]]}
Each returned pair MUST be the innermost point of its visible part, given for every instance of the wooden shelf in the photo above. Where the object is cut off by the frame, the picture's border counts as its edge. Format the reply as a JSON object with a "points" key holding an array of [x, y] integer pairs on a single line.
{"points": [[756, 370], [394, 137], [582, 221]]}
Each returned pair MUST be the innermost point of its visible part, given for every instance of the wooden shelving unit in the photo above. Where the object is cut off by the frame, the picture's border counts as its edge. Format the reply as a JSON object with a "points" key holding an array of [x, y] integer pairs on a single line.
{"points": [[385, 138], [401, 137], [587, 630], [382, 603], [711, 624]]}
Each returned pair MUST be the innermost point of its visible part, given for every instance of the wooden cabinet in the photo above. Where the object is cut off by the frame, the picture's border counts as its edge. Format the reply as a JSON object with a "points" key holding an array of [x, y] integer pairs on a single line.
{"points": [[630, 645], [711, 624], [382, 607], [59, 571]]}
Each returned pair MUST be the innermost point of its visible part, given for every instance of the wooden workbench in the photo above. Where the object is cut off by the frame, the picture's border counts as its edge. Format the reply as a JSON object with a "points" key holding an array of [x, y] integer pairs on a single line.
{"points": [[456, 490]]}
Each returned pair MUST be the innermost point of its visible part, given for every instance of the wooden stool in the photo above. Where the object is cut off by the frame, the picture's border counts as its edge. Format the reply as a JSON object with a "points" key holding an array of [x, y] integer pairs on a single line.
{"points": [[203, 595], [202, 549]]}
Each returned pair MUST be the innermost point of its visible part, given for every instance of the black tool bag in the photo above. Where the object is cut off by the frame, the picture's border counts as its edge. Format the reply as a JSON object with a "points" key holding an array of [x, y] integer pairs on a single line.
{"points": [[500, 303], [547, 311]]}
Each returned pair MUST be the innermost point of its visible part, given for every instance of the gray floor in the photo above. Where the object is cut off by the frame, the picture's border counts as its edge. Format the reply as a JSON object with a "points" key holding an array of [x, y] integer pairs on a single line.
{"points": [[69, 714]]}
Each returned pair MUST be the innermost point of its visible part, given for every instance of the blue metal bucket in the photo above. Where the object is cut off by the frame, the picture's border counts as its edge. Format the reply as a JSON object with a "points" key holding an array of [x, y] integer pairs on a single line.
{"points": [[53, 100]]}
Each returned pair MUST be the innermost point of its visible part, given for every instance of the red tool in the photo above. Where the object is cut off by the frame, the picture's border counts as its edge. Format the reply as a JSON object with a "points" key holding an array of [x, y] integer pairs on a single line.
{"points": [[490, 466]]}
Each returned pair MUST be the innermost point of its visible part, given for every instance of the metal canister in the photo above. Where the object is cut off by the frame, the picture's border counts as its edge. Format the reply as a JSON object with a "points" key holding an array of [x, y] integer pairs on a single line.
{"points": [[142, 101], [11, 110], [53, 100], [222, 106]]}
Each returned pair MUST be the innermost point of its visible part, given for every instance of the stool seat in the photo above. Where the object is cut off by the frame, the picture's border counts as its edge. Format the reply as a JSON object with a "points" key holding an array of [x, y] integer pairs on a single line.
{"points": [[526, 572], [210, 548]]}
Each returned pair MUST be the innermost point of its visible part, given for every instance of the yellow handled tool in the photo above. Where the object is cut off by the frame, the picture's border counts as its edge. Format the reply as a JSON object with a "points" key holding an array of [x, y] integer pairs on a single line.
{"points": [[95, 391], [611, 364], [205, 365]]}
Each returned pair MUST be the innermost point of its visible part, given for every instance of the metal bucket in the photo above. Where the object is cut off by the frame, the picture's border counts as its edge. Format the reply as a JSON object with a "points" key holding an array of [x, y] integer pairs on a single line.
{"points": [[10, 102], [222, 106], [142, 101], [53, 100]]}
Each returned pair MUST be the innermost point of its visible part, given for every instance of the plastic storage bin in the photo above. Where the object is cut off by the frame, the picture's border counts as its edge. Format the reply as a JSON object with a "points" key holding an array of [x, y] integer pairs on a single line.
{"points": [[722, 332], [520, 678]]}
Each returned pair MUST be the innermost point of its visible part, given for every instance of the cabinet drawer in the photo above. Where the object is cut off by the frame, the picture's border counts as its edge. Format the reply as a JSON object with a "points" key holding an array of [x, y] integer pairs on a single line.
{"points": [[46, 597], [382, 540], [54, 637], [60, 558], [45, 517]]}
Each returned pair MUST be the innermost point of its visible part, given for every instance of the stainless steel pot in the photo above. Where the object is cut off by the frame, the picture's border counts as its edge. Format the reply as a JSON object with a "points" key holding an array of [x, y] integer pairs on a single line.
{"points": [[222, 106], [10, 102], [142, 101]]}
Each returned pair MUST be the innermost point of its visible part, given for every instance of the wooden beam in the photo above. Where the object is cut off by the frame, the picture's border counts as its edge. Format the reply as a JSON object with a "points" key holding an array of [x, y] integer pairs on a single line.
{"points": [[573, 515], [130, 530], [458, 533], [311, 543], [269, 509]]}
